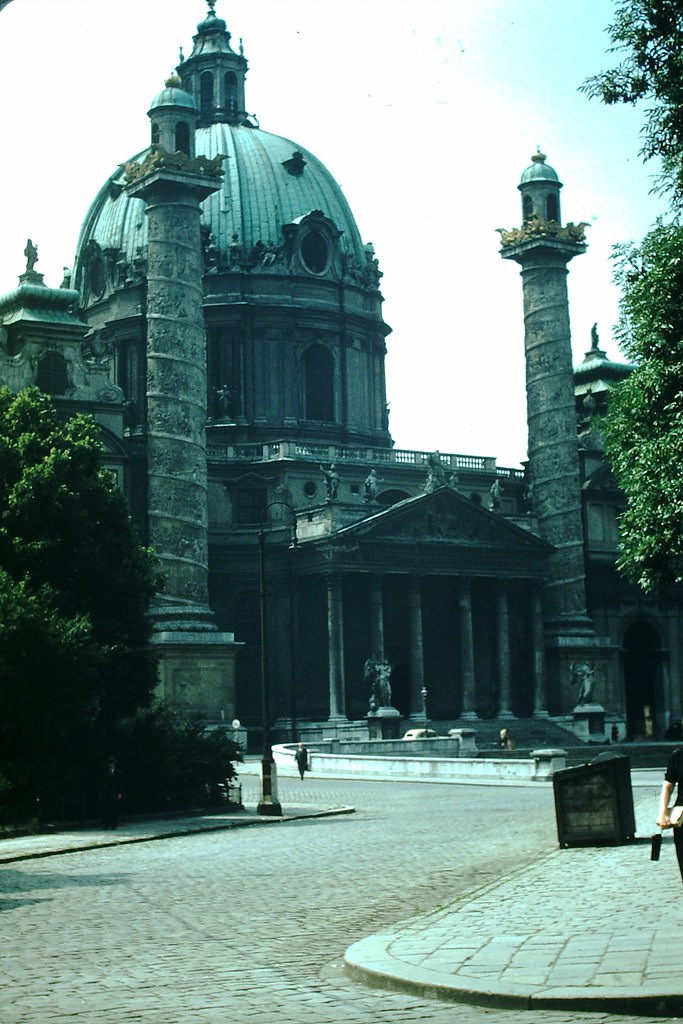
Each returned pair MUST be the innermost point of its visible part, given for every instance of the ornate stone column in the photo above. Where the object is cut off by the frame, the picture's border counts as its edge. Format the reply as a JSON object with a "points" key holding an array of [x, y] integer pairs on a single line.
{"points": [[417, 679], [335, 646], [377, 619], [467, 650], [538, 654], [195, 672], [504, 695], [176, 391]]}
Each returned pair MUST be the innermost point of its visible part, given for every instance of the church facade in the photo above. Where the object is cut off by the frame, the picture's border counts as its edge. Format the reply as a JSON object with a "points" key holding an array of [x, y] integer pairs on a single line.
{"points": [[223, 323]]}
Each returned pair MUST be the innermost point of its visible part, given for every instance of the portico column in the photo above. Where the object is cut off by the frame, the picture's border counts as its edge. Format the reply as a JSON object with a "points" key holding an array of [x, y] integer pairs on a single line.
{"points": [[376, 620], [504, 696], [538, 650], [335, 646], [416, 649], [467, 650]]}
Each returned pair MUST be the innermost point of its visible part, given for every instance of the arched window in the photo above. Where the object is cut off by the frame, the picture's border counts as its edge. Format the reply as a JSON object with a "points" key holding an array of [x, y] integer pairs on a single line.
{"points": [[182, 137], [155, 134], [319, 384], [52, 377], [552, 210], [527, 206], [206, 93], [230, 86]]}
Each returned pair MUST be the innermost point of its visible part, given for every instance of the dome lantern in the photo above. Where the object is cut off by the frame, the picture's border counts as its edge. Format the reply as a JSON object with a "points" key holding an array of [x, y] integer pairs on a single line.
{"points": [[214, 74], [540, 188]]}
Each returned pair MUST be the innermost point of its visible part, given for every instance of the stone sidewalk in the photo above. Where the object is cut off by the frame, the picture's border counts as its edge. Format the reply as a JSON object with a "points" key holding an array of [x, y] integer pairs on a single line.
{"points": [[53, 843], [597, 928]]}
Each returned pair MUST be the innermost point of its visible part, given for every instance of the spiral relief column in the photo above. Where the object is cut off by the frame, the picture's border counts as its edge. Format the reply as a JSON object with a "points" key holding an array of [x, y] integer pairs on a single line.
{"points": [[543, 247], [194, 670]]}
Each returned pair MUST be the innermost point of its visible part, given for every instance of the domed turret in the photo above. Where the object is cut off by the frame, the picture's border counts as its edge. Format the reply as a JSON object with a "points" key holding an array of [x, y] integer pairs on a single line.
{"points": [[173, 114], [540, 188]]}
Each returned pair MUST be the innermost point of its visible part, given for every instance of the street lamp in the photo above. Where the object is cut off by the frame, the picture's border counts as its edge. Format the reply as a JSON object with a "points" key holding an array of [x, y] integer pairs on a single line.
{"points": [[269, 803], [423, 694]]}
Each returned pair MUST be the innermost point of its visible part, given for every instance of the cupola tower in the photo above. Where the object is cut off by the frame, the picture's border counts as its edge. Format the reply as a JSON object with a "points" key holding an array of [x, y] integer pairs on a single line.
{"points": [[214, 74]]}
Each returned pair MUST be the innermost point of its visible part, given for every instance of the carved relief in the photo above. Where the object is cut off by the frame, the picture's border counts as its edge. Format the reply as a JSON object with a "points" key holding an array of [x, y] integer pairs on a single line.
{"points": [[159, 158], [535, 227]]}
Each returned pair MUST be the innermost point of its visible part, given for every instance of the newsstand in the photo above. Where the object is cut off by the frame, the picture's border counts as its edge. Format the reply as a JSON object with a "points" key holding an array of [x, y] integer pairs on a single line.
{"points": [[594, 802]]}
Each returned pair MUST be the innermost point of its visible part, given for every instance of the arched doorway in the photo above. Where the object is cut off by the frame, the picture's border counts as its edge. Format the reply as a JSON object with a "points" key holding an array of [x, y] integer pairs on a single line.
{"points": [[642, 679]]}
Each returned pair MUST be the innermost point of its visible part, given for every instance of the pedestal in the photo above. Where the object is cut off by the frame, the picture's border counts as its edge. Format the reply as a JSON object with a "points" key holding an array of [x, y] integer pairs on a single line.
{"points": [[384, 724], [589, 722]]}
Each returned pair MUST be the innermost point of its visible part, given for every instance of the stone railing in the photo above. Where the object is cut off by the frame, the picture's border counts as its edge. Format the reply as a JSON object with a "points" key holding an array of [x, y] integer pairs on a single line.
{"points": [[277, 451]]}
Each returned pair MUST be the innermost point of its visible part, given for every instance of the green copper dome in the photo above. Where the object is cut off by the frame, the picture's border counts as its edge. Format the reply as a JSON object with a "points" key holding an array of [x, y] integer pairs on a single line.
{"points": [[269, 183], [173, 95], [539, 170], [271, 187]]}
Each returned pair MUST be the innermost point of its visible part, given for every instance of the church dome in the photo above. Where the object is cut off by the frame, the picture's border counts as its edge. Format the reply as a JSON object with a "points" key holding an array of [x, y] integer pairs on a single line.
{"points": [[538, 170], [269, 182]]}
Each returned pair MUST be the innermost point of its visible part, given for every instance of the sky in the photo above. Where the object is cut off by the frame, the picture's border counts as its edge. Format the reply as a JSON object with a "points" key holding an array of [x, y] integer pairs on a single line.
{"points": [[425, 111]]}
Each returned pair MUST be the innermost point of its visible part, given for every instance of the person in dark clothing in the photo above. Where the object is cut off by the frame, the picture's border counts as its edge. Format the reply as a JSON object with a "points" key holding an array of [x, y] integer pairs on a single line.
{"points": [[112, 794], [673, 776], [301, 759]]}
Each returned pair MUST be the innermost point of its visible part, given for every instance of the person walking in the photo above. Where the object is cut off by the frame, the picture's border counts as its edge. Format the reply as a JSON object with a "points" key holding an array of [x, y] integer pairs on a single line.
{"points": [[301, 759], [673, 776], [112, 794]]}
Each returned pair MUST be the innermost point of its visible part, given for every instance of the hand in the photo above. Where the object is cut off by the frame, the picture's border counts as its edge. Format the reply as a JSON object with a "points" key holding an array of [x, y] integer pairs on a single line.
{"points": [[664, 820]]}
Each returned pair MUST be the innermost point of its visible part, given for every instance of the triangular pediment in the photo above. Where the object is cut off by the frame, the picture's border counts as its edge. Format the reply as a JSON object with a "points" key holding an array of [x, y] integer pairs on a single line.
{"points": [[442, 517]]}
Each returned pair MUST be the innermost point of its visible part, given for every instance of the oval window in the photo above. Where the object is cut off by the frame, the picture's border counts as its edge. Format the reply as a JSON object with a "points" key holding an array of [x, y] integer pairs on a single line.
{"points": [[314, 252]]}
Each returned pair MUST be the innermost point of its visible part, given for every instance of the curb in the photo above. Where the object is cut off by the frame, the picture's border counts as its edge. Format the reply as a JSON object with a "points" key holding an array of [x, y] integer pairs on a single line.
{"points": [[175, 833], [362, 959]]}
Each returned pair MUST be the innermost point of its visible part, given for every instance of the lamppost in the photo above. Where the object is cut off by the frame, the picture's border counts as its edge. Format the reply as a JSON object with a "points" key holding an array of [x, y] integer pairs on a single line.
{"points": [[269, 803], [424, 694]]}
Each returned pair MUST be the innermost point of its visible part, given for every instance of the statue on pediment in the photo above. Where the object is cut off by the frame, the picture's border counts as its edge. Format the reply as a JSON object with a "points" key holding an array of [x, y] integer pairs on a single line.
{"points": [[436, 474]]}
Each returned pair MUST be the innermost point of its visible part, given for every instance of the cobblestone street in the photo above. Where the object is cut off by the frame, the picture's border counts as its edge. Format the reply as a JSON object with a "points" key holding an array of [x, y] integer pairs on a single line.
{"points": [[250, 925]]}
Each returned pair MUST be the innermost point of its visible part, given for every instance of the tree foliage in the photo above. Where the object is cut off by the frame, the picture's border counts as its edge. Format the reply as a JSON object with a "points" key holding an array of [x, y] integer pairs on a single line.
{"points": [[644, 425], [643, 428], [74, 590], [648, 34]]}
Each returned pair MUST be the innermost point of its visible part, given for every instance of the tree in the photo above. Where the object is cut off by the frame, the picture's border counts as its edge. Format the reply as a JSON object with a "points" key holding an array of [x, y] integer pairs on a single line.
{"points": [[643, 428], [649, 35], [75, 585]]}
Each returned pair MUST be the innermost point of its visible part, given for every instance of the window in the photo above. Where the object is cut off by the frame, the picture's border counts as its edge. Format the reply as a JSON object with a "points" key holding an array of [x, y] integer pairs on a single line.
{"points": [[182, 137], [230, 85], [155, 134], [527, 206], [552, 208], [319, 384], [314, 252], [206, 93], [250, 503], [52, 376]]}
